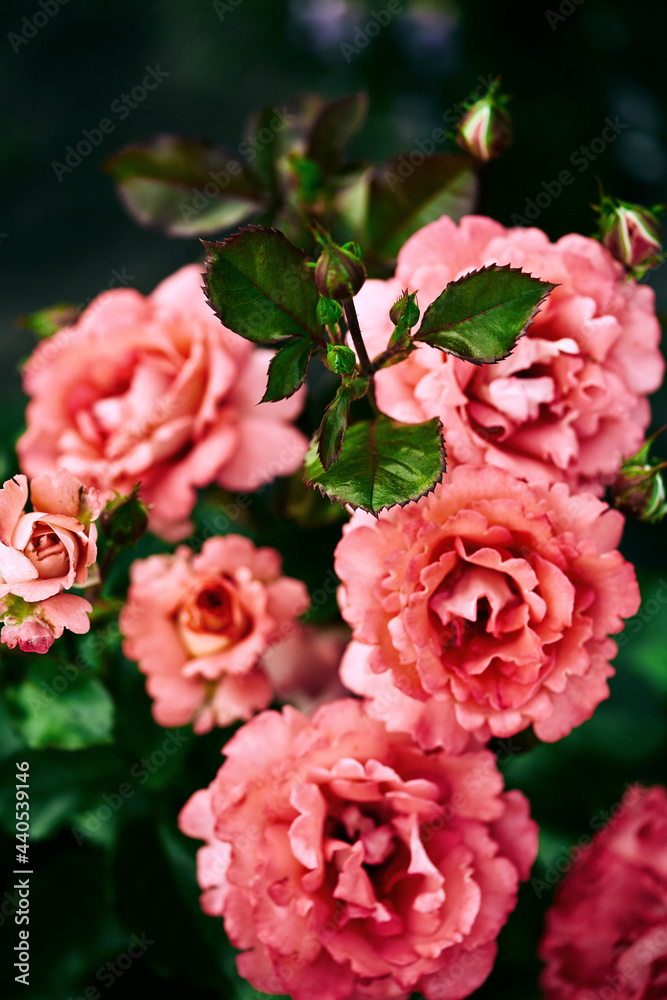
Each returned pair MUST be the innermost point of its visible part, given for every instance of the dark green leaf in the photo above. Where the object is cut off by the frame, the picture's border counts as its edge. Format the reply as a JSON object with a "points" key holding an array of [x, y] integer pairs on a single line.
{"points": [[146, 896], [332, 429], [288, 368], [335, 125], [406, 196], [63, 786], [261, 287], [185, 187], [68, 710], [479, 317], [382, 463], [262, 146]]}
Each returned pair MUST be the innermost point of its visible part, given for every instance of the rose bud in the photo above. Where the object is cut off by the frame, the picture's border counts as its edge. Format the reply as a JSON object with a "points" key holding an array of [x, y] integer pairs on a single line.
{"points": [[485, 131], [405, 311], [340, 359], [631, 233], [124, 520], [639, 490], [339, 272]]}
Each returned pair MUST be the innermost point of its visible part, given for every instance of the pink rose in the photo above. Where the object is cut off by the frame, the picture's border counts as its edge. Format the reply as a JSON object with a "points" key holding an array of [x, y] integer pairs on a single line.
{"points": [[606, 933], [303, 669], [155, 390], [198, 626], [35, 626], [570, 401], [484, 607], [43, 552], [348, 864]]}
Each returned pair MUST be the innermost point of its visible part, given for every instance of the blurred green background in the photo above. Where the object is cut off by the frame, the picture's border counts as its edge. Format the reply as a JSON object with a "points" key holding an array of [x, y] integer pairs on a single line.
{"points": [[568, 67]]}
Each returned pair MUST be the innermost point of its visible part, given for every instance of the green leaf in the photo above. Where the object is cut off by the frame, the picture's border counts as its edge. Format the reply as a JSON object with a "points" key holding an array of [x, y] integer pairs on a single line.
{"points": [[288, 368], [333, 128], [262, 146], [260, 286], [480, 316], [147, 895], [332, 429], [64, 709], [404, 197], [382, 463], [185, 187]]}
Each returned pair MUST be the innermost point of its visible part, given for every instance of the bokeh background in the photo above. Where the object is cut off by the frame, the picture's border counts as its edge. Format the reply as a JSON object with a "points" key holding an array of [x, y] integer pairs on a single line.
{"points": [[568, 67]]}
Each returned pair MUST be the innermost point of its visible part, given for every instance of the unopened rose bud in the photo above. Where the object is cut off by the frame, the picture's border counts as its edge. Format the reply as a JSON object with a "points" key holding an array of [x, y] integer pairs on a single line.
{"points": [[46, 322], [124, 520], [405, 311], [341, 360], [639, 490], [329, 312], [631, 233], [339, 273], [485, 131]]}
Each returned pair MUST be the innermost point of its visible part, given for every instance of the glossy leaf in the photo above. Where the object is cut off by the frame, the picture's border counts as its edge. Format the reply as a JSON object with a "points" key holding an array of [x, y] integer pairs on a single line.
{"points": [[480, 316], [185, 187], [54, 711], [333, 128], [404, 196], [382, 463], [288, 369], [261, 288]]}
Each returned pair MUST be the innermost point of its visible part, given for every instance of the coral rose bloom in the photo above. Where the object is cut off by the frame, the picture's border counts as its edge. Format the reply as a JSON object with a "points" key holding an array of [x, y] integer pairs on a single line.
{"points": [[50, 548], [569, 402], [606, 933], [43, 552], [484, 607], [155, 390], [198, 625], [349, 864]]}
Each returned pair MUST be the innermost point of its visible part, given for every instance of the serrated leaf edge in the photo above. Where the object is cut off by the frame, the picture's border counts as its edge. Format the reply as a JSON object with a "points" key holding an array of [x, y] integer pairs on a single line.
{"points": [[495, 268], [399, 503]]}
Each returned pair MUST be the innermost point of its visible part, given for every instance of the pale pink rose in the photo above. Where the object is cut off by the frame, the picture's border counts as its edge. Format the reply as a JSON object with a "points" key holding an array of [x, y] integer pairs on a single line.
{"points": [[606, 933], [348, 864], [570, 401], [303, 669], [155, 390], [199, 625], [484, 607]]}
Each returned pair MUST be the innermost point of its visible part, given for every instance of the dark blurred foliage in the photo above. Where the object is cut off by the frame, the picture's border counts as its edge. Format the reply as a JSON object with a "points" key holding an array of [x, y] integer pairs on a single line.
{"points": [[69, 240]]}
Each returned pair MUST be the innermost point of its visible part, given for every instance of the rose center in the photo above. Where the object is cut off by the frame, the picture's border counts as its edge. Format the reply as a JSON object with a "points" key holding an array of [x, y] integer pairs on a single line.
{"points": [[47, 553], [213, 618]]}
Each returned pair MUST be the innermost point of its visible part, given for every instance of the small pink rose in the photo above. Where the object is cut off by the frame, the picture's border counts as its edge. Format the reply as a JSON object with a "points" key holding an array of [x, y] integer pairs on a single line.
{"points": [[199, 626]]}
